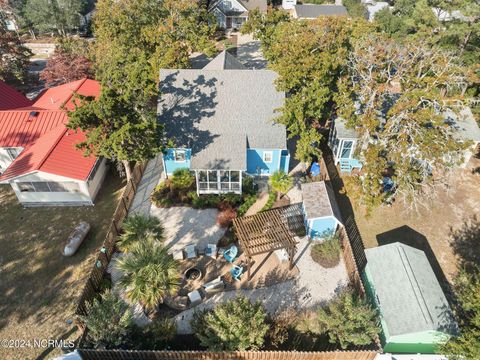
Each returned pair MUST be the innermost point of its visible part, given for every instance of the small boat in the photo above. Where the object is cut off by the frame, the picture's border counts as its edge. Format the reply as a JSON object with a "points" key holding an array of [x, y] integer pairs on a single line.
{"points": [[76, 238]]}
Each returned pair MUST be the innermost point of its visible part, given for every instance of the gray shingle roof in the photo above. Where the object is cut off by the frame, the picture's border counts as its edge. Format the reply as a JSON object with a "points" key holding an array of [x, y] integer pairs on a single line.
{"points": [[224, 61], [319, 200], [255, 4], [343, 132], [410, 297], [214, 111], [464, 123], [312, 11]]}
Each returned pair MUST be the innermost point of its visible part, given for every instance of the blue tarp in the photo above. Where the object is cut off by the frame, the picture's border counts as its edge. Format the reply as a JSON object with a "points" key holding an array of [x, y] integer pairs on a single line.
{"points": [[315, 169]]}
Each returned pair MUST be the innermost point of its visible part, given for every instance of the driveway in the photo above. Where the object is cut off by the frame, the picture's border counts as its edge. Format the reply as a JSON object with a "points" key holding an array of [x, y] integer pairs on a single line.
{"points": [[151, 177], [249, 52]]}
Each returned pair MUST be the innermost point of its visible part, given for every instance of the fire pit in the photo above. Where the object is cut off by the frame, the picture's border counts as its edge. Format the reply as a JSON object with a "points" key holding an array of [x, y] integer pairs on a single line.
{"points": [[193, 274]]}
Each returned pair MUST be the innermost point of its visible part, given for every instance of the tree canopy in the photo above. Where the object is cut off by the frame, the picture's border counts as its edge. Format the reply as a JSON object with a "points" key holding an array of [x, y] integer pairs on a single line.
{"points": [[69, 62], [394, 95], [235, 325], [115, 130], [309, 57], [134, 39], [14, 58]]}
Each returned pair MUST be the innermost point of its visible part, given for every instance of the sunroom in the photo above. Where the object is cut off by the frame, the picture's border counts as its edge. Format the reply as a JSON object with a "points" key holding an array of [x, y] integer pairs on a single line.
{"points": [[218, 181]]}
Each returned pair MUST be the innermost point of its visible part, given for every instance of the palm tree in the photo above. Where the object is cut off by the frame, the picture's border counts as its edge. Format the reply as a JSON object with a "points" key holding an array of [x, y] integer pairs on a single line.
{"points": [[280, 182], [138, 227], [149, 273]]}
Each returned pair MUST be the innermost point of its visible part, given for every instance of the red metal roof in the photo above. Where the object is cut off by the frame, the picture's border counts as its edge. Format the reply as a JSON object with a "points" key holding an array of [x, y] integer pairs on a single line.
{"points": [[56, 97], [19, 128], [40, 129], [53, 153], [11, 98]]}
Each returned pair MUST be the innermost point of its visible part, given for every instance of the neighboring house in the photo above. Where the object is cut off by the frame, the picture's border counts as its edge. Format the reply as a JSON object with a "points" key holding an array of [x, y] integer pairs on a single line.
{"points": [[11, 98], [465, 129], [221, 121], [288, 4], [374, 7], [414, 313], [231, 14], [321, 211], [343, 142], [38, 157], [312, 11]]}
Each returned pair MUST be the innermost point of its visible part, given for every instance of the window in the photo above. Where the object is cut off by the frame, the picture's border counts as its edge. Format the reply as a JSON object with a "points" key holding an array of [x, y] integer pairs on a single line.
{"points": [[94, 170], [41, 186], [218, 180], [44, 186], [267, 156], [26, 187], [180, 156], [346, 149], [13, 153]]}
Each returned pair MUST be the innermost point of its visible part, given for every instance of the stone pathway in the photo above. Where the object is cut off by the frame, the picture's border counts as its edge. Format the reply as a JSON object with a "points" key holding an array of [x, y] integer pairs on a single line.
{"points": [[151, 177], [258, 205]]}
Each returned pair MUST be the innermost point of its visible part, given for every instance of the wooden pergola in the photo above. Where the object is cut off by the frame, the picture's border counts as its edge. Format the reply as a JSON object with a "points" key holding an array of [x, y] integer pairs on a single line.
{"points": [[268, 231]]}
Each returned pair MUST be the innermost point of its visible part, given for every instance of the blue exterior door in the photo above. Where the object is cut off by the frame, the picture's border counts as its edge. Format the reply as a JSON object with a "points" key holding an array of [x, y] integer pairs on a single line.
{"points": [[285, 161]]}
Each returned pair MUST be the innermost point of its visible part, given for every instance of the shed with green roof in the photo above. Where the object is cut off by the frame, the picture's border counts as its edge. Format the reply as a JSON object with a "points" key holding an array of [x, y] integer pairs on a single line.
{"points": [[414, 313]]}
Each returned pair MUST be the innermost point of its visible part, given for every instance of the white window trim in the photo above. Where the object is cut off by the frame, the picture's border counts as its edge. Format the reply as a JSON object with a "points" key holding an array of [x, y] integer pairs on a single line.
{"points": [[271, 157], [175, 156]]}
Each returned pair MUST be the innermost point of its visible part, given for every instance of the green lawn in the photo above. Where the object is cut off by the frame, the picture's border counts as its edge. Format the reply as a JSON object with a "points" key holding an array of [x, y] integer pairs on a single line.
{"points": [[39, 286]]}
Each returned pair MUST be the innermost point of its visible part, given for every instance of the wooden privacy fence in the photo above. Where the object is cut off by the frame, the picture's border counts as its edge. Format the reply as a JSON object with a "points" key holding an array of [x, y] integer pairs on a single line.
{"points": [[237, 355], [94, 280], [350, 263]]}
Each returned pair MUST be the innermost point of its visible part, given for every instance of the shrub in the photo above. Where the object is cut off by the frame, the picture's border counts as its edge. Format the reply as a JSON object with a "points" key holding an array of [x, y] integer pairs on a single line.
{"points": [[247, 204], [348, 320], [225, 217], [271, 200], [280, 327], [206, 201], [161, 196], [235, 325], [156, 335], [248, 186], [232, 199], [182, 179], [467, 288], [136, 228], [109, 321], [327, 253]]}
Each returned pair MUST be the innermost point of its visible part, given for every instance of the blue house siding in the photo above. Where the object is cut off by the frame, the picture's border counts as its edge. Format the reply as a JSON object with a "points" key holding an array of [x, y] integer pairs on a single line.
{"points": [[285, 161], [317, 226], [171, 165], [256, 165]]}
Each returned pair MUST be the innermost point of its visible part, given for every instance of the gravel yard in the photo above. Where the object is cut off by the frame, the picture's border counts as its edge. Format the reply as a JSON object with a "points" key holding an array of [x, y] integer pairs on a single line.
{"points": [[184, 226]]}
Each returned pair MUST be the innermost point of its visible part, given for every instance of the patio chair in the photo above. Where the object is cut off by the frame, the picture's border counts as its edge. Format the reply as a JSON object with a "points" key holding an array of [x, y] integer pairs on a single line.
{"points": [[236, 272], [190, 251], [211, 250], [230, 254]]}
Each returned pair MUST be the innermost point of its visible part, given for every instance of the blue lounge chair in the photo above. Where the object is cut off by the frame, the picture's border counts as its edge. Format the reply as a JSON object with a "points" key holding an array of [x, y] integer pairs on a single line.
{"points": [[236, 272], [230, 254]]}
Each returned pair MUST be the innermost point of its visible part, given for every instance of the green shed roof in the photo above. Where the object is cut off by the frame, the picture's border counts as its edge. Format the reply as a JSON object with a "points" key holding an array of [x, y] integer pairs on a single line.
{"points": [[408, 293]]}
